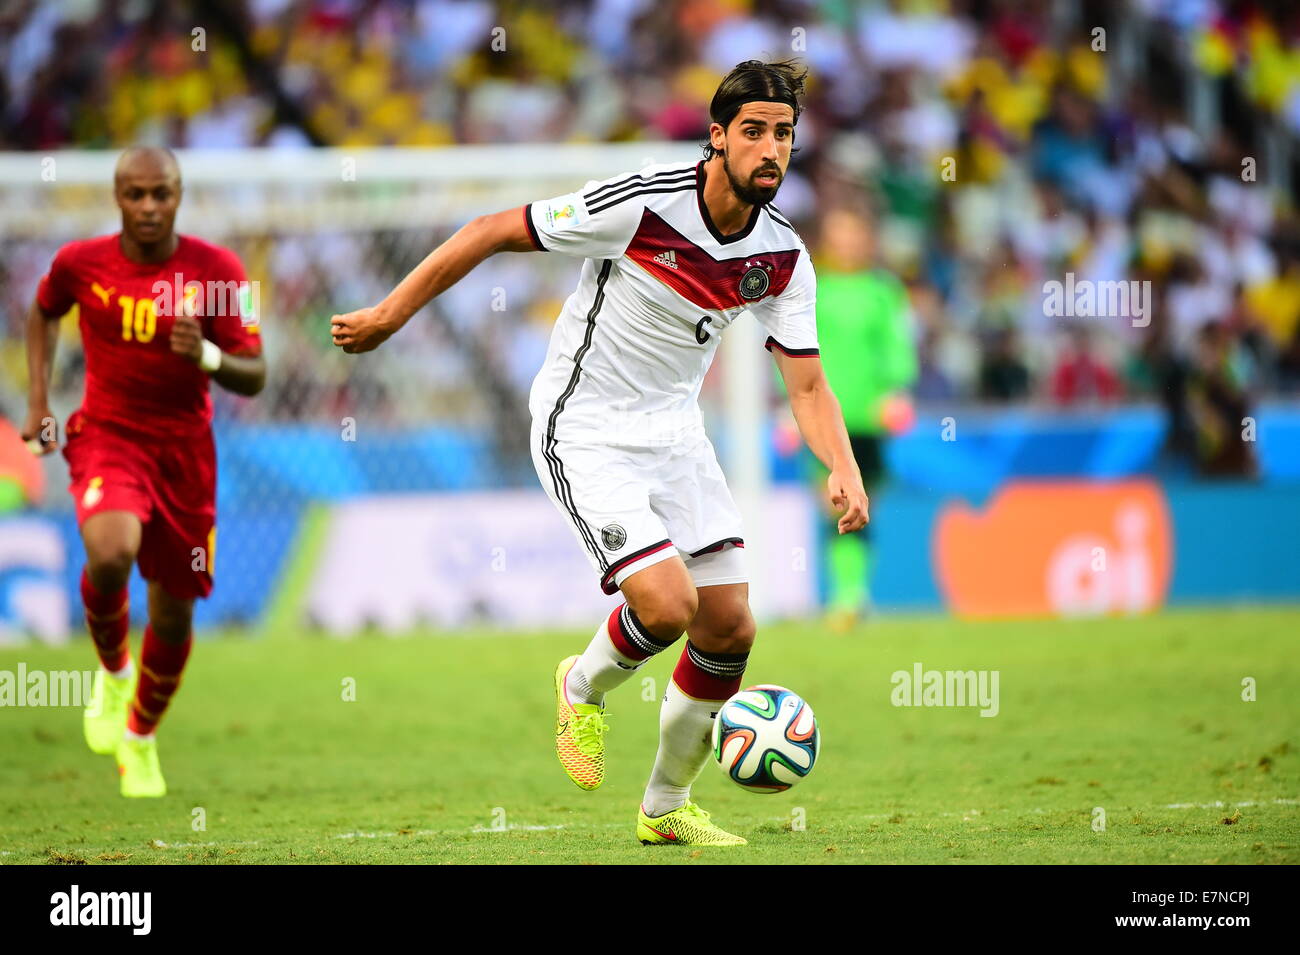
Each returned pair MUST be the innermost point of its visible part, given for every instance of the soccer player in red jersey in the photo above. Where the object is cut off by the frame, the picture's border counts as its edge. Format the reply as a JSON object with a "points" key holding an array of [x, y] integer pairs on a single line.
{"points": [[160, 314]]}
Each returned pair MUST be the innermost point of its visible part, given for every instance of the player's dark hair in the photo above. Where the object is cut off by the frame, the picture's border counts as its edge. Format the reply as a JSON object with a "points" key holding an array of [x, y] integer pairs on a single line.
{"points": [[754, 80]]}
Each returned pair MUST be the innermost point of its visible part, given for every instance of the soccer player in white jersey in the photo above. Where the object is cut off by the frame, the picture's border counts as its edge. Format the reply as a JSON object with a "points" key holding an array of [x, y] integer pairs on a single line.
{"points": [[674, 254]]}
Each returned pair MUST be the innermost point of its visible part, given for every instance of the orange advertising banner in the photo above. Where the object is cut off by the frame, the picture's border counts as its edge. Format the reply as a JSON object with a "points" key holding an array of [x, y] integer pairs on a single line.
{"points": [[1056, 548]]}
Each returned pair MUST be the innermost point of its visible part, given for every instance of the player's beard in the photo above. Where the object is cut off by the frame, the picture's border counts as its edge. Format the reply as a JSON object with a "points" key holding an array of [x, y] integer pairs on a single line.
{"points": [[749, 193]]}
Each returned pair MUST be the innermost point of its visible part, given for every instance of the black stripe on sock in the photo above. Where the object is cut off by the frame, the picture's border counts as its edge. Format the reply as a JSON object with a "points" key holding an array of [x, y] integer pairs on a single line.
{"points": [[721, 665], [633, 624]]}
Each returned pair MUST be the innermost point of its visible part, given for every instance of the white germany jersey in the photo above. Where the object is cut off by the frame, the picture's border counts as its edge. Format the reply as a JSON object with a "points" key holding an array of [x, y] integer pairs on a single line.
{"points": [[659, 286]]}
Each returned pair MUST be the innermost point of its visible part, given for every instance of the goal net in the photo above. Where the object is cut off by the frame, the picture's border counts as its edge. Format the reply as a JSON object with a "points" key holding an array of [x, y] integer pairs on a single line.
{"points": [[440, 408]]}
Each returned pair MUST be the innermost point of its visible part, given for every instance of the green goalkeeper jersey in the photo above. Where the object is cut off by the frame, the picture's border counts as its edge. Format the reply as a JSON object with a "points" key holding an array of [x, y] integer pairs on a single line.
{"points": [[866, 342]]}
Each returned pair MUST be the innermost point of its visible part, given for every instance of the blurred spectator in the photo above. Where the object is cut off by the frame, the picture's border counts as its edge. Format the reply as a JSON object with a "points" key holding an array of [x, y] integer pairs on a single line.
{"points": [[1080, 377], [1003, 374], [1271, 310], [932, 383], [998, 149], [1218, 406]]}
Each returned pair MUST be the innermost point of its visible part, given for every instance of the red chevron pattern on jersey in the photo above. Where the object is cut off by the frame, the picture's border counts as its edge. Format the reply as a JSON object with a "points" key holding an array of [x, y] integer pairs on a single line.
{"points": [[700, 278]]}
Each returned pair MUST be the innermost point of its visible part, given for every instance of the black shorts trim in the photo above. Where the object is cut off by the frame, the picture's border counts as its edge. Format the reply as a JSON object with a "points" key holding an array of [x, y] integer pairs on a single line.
{"points": [[718, 545], [607, 581]]}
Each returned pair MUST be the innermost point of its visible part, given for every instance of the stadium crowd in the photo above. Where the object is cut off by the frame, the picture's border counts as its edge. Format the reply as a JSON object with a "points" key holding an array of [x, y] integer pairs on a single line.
{"points": [[993, 146]]}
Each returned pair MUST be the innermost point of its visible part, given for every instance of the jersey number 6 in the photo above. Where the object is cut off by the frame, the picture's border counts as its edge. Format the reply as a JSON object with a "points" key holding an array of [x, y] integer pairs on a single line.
{"points": [[701, 335]]}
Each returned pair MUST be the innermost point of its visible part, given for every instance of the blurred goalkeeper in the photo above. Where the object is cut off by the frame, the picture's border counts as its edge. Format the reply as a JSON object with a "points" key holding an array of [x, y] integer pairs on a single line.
{"points": [[864, 322], [674, 253]]}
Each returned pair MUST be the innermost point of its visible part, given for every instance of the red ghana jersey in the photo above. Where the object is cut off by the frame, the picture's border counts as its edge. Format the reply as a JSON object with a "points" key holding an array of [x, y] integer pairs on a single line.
{"points": [[133, 379]]}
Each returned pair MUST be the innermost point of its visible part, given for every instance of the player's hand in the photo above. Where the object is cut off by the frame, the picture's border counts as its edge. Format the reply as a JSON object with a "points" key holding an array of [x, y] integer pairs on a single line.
{"points": [[40, 430], [363, 330], [848, 495], [187, 337]]}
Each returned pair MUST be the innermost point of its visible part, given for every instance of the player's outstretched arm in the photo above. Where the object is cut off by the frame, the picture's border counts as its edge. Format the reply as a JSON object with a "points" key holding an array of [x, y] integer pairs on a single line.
{"points": [[817, 413], [368, 328], [40, 430]]}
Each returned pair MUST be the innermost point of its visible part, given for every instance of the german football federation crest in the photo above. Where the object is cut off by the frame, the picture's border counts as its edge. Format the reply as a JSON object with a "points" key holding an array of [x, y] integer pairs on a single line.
{"points": [[613, 536], [754, 283]]}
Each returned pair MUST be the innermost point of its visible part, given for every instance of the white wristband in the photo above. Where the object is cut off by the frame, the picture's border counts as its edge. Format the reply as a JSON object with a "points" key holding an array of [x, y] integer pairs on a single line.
{"points": [[210, 360]]}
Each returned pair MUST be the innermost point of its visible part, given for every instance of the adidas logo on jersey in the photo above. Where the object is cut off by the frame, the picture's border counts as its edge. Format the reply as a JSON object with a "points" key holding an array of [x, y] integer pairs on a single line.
{"points": [[668, 258]]}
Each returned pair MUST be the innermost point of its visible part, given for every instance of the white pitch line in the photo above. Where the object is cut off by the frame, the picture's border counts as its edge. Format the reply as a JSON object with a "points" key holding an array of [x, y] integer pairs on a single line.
{"points": [[516, 827], [966, 814], [1219, 804]]}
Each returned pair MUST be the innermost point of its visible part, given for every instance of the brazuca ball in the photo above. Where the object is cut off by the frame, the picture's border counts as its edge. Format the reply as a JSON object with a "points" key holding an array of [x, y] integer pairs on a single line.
{"points": [[765, 738]]}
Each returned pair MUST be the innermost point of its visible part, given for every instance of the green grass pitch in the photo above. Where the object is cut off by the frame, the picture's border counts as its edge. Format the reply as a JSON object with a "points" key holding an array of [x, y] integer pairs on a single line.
{"points": [[446, 754]]}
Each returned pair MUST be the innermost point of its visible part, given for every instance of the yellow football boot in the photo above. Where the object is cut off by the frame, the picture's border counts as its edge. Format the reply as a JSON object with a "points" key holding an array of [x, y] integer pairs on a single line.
{"points": [[579, 733], [687, 826]]}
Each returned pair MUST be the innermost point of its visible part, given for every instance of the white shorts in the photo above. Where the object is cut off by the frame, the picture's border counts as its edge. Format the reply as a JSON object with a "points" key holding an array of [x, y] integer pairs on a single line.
{"points": [[630, 508]]}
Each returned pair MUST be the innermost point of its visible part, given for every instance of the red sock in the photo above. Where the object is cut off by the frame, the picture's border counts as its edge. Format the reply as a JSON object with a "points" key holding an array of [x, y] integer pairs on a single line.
{"points": [[160, 676], [709, 676], [107, 618]]}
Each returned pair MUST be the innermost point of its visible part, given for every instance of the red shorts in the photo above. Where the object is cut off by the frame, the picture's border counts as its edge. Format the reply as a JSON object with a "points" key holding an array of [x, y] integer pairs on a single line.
{"points": [[169, 484]]}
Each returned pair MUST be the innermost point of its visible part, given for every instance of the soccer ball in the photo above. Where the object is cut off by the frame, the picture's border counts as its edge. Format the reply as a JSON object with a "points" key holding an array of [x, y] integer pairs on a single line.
{"points": [[765, 739]]}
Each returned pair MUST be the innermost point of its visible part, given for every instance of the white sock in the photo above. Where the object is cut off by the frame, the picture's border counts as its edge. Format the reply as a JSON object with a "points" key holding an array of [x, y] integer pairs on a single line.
{"points": [[600, 668], [131, 735], [685, 735], [124, 673]]}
